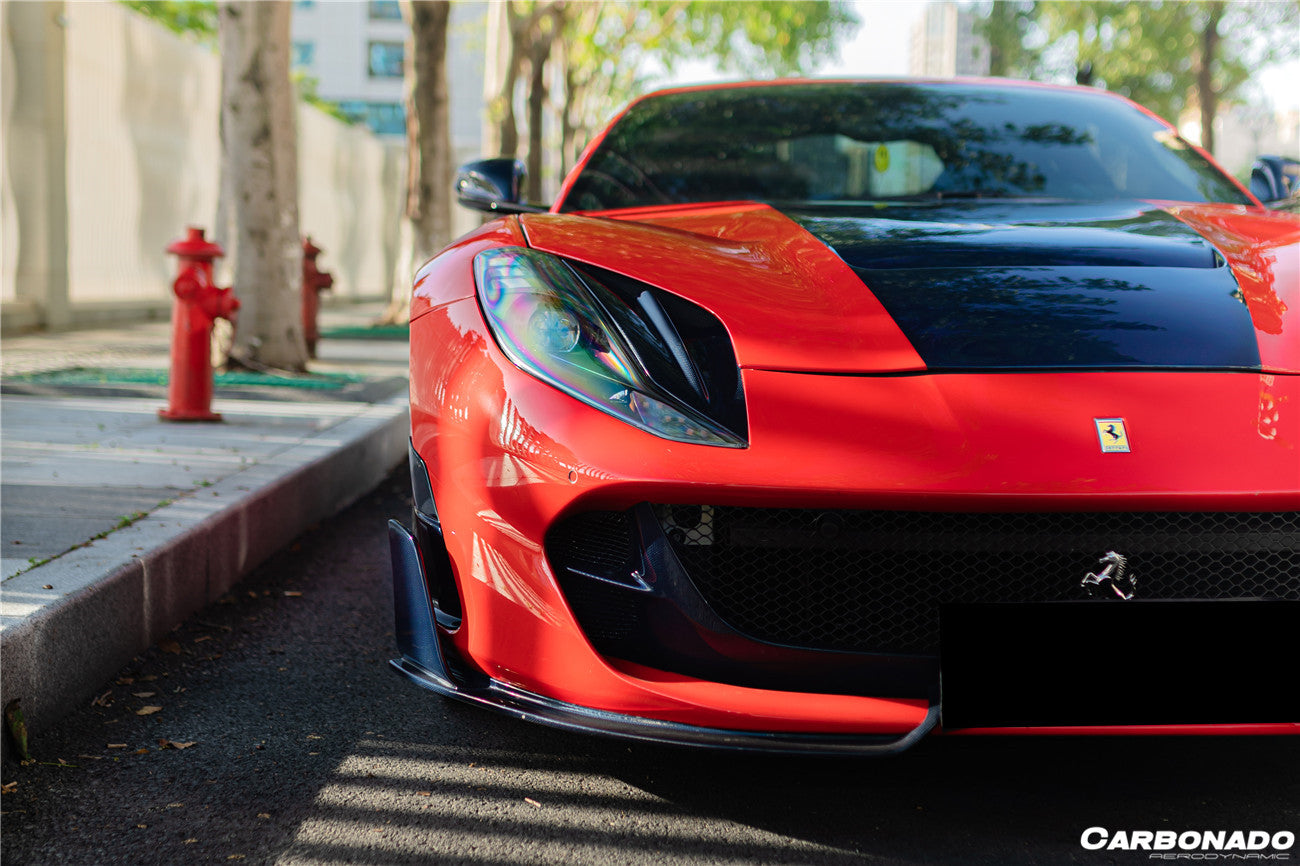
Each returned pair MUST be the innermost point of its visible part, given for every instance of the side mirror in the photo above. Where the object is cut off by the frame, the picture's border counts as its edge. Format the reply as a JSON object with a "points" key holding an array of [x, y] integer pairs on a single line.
{"points": [[494, 186], [1275, 180]]}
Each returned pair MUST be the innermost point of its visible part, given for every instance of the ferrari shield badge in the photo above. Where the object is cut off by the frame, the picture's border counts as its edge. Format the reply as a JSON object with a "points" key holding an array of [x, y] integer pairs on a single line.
{"points": [[1112, 435]]}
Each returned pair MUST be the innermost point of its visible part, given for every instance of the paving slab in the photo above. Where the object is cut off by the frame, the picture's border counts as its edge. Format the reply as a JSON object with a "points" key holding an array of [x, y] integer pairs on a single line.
{"points": [[115, 526]]}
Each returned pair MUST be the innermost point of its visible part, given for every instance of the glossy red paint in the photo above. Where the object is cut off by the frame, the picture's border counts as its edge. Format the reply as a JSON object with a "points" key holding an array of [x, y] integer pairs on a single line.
{"points": [[510, 481], [842, 413], [787, 300], [1263, 250], [450, 275], [508, 468]]}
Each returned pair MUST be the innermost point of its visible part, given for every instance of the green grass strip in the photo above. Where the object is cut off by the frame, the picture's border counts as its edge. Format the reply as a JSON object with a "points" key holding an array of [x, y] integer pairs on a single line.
{"points": [[144, 376], [377, 332]]}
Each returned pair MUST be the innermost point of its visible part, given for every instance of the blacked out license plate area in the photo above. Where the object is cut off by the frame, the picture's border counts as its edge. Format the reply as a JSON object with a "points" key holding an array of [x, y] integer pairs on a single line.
{"points": [[1094, 663]]}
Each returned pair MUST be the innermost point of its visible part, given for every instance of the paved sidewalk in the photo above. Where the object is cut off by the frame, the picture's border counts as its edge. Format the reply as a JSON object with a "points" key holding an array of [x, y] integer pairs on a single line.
{"points": [[115, 526]]}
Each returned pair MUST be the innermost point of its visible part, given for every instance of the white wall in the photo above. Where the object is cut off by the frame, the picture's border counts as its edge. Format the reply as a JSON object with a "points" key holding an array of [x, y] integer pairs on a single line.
{"points": [[143, 157], [143, 150]]}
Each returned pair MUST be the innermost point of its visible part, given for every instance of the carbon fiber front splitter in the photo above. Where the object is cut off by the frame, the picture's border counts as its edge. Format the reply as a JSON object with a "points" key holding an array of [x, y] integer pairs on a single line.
{"points": [[423, 662], [571, 717]]}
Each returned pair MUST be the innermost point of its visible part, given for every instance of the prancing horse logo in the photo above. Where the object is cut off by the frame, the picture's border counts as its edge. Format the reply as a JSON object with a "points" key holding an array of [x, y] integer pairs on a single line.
{"points": [[1112, 576], [1112, 434]]}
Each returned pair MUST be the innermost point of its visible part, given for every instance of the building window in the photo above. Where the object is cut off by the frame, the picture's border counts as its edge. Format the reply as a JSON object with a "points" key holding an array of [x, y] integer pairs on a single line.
{"points": [[386, 59], [385, 10], [304, 54], [383, 118]]}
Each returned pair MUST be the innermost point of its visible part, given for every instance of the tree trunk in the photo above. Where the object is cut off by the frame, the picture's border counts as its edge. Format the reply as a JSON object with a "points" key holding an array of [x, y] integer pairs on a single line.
{"points": [[1205, 94], [426, 218], [259, 153], [508, 130], [539, 52], [568, 129]]}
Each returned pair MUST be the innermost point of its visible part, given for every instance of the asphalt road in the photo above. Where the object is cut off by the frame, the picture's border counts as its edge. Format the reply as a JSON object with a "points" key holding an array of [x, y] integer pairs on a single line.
{"points": [[282, 737]]}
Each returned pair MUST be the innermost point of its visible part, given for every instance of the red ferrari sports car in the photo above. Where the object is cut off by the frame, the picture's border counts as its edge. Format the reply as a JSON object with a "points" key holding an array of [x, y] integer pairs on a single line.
{"points": [[816, 416]]}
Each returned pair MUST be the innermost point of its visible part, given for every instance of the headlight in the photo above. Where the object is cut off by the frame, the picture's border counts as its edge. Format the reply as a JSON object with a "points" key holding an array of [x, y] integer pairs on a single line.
{"points": [[613, 346]]}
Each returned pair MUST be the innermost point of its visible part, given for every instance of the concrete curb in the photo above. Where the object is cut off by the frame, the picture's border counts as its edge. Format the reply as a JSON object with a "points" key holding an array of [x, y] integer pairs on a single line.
{"points": [[124, 592]]}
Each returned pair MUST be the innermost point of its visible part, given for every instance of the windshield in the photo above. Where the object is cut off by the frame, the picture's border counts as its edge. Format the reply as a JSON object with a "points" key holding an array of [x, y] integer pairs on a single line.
{"points": [[870, 142]]}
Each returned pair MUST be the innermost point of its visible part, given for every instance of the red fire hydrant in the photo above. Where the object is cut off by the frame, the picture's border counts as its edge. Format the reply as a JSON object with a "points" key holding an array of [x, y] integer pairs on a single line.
{"points": [[199, 304], [314, 281]]}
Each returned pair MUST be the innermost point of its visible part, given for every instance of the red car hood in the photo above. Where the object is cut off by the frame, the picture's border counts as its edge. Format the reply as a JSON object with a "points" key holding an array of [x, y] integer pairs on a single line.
{"points": [[835, 292]]}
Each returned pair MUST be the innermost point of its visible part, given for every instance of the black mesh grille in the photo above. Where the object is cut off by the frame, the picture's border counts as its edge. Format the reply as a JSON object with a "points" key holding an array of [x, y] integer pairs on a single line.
{"points": [[598, 544], [873, 581]]}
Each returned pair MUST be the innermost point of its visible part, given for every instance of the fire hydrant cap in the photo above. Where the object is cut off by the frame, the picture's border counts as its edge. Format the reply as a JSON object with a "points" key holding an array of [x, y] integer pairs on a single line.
{"points": [[196, 246]]}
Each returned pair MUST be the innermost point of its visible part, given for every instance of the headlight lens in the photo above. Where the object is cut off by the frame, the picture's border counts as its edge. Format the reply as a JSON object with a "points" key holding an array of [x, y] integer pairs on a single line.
{"points": [[550, 323]]}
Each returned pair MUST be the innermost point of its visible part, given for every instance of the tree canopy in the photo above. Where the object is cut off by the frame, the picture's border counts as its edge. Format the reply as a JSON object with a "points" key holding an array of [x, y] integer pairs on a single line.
{"points": [[609, 51], [197, 17], [1168, 55]]}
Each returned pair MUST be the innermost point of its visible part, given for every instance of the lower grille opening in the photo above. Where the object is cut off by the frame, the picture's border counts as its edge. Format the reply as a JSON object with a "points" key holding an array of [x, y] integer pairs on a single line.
{"points": [[870, 581], [595, 558]]}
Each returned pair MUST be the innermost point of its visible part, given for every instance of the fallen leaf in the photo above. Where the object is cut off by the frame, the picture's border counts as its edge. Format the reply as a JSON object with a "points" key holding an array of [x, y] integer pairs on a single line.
{"points": [[103, 700], [148, 711], [142, 826], [315, 737], [48, 586], [92, 757], [424, 793], [530, 801], [142, 751], [264, 814], [8, 787], [235, 857], [190, 841], [124, 681], [170, 646], [164, 743], [144, 694], [292, 593], [117, 745], [175, 805]]}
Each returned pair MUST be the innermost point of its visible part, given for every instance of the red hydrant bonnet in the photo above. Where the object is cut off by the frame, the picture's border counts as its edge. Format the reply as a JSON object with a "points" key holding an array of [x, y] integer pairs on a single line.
{"points": [[195, 246]]}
